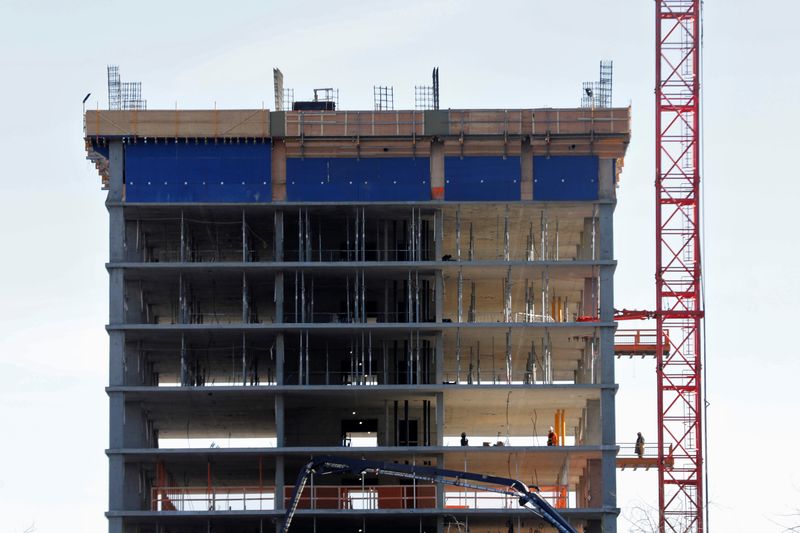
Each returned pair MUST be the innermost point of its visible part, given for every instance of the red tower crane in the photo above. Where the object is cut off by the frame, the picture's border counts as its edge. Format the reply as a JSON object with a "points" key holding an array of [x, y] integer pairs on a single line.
{"points": [[679, 300], [679, 304]]}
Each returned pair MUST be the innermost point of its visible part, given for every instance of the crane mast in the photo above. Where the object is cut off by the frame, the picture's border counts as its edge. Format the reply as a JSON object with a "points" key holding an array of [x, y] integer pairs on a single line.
{"points": [[679, 309]]}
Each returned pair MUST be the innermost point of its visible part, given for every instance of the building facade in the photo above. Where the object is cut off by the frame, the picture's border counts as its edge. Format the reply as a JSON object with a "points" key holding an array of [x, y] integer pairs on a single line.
{"points": [[425, 287]]}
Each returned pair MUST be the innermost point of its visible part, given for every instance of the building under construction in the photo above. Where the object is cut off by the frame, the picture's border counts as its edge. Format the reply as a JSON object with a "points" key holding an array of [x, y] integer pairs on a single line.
{"points": [[429, 287]]}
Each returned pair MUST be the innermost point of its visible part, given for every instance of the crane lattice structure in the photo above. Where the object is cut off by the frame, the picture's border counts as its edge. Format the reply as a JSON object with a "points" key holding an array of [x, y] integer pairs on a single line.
{"points": [[679, 309]]}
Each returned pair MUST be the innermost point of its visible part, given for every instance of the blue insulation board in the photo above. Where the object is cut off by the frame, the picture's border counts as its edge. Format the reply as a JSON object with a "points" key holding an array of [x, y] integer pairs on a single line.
{"points": [[189, 172], [481, 179], [343, 179], [565, 177]]}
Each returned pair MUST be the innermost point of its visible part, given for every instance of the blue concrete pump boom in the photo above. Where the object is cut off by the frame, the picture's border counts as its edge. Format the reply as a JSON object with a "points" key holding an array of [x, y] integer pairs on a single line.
{"points": [[324, 465]]}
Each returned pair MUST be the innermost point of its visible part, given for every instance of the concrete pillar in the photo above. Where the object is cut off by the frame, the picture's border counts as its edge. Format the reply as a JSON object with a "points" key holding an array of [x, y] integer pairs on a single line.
{"points": [[116, 480], [119, 476], [117, 363], [116, 296], [438, 296], [438, 235], [439, 419], [607, 188], [279, 236], [116, 525], [437, 172], [439, 354], [605, 229], [279, 297], [586, 252], [116, 161], [526, 170], [279, 482], [278, 171], [279, 358], [589, 297], [280, 428], [127, 423], [440, 488], [116, 234], [593, 435]]}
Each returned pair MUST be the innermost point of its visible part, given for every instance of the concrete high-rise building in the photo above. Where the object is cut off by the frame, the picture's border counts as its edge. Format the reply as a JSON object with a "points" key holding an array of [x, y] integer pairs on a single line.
{"points": [[430, 287]]}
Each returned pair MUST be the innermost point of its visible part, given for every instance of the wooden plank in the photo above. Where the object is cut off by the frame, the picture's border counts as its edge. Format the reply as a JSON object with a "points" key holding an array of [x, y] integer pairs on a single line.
{"points": [[253, 123]]}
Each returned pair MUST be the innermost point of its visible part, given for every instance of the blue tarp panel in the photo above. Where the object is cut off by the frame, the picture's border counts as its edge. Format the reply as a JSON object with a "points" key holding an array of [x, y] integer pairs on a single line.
{"points": [[379, 179], [188, 172], [565, 177], [482, 179]]}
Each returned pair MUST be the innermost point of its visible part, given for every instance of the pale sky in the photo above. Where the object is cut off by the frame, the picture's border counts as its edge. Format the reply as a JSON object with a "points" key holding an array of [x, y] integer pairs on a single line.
{"points": [[506, 54]]}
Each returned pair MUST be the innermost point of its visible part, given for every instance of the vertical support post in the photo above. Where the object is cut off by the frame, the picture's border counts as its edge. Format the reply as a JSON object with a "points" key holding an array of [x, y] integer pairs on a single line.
{"points": [[245, 252], [279, 236], [506, 250], [438, 234], [509, 362], [279, 358], [439, 419], [460, 295], [458, 233], [439, 357], [458, 355], [182, 253]]}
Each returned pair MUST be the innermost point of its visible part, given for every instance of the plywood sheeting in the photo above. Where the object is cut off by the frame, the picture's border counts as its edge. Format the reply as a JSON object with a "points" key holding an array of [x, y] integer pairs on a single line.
{"points": [[179, 123]]}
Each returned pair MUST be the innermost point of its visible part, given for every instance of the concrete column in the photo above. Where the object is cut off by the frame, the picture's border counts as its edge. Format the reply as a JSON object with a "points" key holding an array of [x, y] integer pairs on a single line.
{"points": [[439, 354], [278, 236], [437, 172], [119, 481], [278, 171], [116, 480], [116, 525], [593, 435], [279, 491], [116, 296], [609, 521], [279, 358], [280, 428], [606, 375], [526, 170], [438, 235], [278, 298], [127, 423], [440, 488], [588, 234], [279, 482], [607, 188], [117, 364], [589, 297], [607, 294], [439, 419], [605, 225], [438, 296], [116, 235], [116, 161]]}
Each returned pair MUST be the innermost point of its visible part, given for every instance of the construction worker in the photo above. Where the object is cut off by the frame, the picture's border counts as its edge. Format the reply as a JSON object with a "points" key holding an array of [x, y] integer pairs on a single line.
{"points": [[639, 445], [552, 437], [464, 439]]}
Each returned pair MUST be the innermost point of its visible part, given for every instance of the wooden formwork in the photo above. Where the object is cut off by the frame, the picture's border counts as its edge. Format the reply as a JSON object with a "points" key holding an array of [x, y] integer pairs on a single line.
{"points": [[249, 123], [242, 123]]}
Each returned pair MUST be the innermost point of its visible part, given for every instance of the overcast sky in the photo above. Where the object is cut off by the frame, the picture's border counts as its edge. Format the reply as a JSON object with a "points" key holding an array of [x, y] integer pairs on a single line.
{"points": [[506, 54]]}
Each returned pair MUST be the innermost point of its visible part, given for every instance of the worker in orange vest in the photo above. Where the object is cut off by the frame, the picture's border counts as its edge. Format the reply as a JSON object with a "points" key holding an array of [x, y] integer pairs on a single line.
{"points": [[552, 437]]}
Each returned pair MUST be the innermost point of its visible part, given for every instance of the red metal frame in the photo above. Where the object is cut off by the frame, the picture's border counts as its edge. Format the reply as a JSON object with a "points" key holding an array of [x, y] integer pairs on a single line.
{"points": [[678, 274]]}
